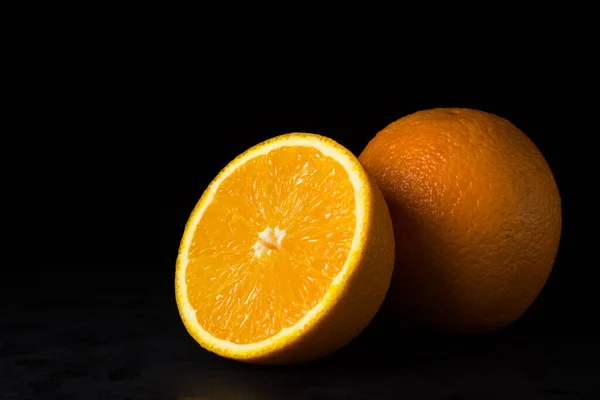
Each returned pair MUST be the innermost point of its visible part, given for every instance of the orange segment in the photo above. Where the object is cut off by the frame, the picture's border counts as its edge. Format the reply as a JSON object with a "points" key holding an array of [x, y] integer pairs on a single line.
{"points": [[253, 260], [288, 254]]}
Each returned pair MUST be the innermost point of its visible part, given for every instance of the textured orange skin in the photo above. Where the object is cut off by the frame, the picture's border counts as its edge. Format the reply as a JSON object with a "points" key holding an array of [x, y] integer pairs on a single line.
{"points": [[476, 214]]}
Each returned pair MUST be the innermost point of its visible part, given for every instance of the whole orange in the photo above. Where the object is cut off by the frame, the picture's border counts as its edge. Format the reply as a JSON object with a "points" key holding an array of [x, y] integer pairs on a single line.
{"points": [[476, 214]]}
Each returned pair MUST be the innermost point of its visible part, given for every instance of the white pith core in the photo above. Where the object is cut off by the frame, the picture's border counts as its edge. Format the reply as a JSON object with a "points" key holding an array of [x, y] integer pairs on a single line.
{"points": [[268, 241]]}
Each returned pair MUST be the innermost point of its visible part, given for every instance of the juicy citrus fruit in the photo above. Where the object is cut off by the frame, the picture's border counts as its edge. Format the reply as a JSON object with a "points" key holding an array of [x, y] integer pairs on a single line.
{"points": [[288, 254], [476, 214]]}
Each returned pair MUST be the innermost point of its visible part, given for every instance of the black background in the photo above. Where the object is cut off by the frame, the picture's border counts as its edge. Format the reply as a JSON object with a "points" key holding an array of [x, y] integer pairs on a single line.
{"points": [[132, 143]]}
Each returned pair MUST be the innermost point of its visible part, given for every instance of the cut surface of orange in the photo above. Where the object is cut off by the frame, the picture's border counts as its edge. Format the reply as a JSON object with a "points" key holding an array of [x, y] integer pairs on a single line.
{"points": [[288, 254]]}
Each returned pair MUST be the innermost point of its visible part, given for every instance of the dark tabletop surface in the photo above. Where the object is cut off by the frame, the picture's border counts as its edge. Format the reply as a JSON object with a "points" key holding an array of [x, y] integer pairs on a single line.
{"points": [[130, 344]]}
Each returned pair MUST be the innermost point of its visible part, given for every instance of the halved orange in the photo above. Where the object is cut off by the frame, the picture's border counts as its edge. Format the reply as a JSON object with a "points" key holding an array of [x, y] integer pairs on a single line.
{"points": [[288, 254]]}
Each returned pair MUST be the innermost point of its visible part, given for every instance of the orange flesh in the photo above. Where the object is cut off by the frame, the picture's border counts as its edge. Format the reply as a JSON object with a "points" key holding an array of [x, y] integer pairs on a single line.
{"points": [[270, 243]]}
